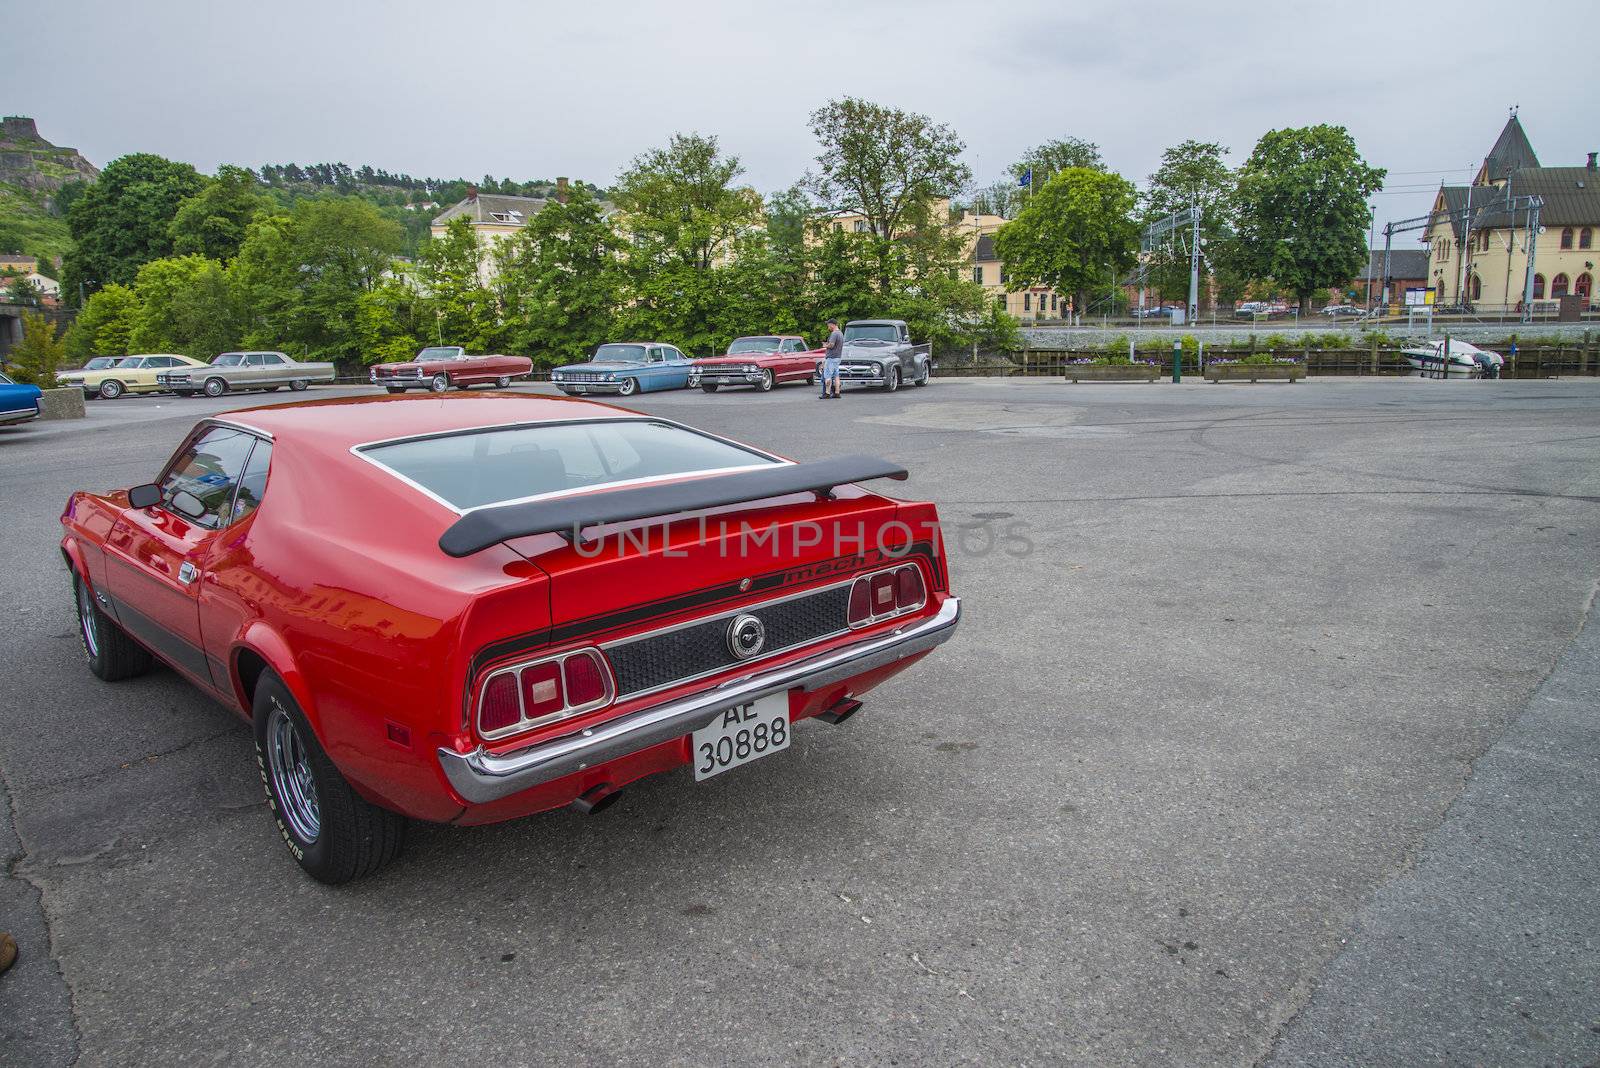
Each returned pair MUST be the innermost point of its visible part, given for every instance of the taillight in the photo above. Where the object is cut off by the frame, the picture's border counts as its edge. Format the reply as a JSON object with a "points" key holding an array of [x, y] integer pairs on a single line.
{"points": [[585, 677], [886, 594], [860, 603], [524, 696], [541, 690], [499, 708], [908, 590]]}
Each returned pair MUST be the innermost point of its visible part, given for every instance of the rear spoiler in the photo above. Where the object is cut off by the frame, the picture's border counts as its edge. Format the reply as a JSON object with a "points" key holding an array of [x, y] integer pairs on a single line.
{"points": [[483, 527]]}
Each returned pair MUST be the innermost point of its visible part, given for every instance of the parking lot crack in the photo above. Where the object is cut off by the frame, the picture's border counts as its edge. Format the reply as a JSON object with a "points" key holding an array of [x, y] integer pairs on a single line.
{"points": [[36, 986]]}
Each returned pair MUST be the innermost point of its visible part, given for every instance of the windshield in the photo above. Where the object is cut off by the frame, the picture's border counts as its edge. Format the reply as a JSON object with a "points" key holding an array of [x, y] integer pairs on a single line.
{"points": [[871, 332], [4, 381], [619, 354], [228, 359], [435, 352], [753, 344], [100, 363], [476, 468]]}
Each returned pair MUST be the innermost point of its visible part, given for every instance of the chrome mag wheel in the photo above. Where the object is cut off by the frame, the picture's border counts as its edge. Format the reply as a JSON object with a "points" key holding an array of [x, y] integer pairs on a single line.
{"points": [[87, 619], [292, 779]]}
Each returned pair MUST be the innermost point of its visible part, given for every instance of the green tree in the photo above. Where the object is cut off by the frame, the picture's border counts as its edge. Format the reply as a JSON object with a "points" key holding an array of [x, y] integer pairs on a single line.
{"points": [[212, 223], [186, 304], [560, 281], [36, 357], [1191, 173], [1076, 235], [1302, 209], [680, 205], [104, 324], [450, 273], [123, 220], [790, 214], [300, 276], [886, 165], [1053, 156], [389, 325]]}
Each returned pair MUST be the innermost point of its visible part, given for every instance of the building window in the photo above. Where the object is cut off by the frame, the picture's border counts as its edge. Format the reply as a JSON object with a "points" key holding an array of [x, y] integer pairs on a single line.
{"points": [[1558, 286], [1585, 237], [1444, 251], [1027, 301], [1002, 274], [861, 226], [1477, 288], [1538, 287], [1566, 238], [1483, 241], [1584, 287], [1052, 302], [977, 274]]}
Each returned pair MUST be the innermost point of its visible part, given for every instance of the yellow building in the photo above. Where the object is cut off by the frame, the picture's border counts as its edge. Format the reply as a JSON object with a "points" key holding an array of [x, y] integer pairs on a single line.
{"points": [[978, 230], [1478, 249]]}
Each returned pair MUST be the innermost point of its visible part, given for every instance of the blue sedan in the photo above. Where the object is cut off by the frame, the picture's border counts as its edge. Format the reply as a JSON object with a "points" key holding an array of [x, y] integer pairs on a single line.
{"points": [[626, 368], [18, 403]]}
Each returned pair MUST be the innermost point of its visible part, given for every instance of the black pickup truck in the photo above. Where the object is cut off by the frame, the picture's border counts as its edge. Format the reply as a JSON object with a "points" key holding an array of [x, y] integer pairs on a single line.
{"points": [[879, 352]]}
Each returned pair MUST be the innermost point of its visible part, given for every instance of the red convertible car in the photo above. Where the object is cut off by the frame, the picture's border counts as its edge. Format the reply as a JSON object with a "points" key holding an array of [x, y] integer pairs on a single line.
{"points": [[479, 609], [438, 367], [762, 362]]}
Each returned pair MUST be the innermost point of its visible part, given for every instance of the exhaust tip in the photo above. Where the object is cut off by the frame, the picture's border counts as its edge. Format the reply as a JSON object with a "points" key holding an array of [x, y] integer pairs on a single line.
{"points": [[596, 799], [841, 711]]}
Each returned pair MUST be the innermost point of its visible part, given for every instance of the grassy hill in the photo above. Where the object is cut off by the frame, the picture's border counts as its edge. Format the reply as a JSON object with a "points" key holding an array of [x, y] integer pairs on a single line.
{"points": [[28, 226]]}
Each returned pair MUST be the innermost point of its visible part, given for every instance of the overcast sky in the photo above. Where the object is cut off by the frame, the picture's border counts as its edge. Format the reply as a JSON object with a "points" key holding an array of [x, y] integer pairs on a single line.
{"points": [[536, 90]]}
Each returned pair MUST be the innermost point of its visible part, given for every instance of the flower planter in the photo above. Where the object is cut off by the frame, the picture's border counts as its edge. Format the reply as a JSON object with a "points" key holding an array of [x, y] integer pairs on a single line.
{"points": [[1255, 372], [1123, 372]]}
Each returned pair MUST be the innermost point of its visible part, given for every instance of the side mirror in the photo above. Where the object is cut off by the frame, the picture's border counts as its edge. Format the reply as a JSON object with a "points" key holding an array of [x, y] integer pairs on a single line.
{"points": [[187, 504], [146, 496]]}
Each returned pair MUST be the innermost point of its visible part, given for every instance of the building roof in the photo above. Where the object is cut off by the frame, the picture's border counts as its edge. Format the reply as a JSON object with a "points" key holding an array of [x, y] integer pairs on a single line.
{"points": [[1403, 263], [8, 259], [1511, 152], [494, 208], [1571, 197], [985, 250]]}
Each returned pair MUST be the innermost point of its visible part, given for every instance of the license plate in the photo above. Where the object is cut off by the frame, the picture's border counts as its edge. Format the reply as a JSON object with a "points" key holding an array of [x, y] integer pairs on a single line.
{"points": [[580, 389], [742, 734]]}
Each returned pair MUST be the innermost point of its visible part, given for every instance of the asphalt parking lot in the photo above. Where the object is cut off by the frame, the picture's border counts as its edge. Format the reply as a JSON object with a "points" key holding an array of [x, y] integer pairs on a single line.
{"points": [[1268, 738]]}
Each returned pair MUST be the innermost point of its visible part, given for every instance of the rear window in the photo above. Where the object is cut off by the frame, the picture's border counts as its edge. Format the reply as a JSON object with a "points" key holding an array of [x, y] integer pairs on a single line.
{"points": [[753, 344], [483, 467]]}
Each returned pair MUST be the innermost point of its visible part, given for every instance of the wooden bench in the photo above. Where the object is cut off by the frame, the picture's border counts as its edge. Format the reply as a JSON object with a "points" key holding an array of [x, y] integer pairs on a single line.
{"points": [[1255, 372]]}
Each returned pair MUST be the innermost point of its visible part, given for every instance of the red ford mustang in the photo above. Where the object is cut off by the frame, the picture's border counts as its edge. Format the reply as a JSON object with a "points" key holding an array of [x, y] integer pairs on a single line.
{"points": [[472, 608]]}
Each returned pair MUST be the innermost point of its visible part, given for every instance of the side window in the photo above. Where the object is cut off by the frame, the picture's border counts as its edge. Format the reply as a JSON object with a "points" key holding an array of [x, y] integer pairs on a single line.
{"points": [[255, 359], [657, 355], [253, 482], [206, 473], [277, 359]]}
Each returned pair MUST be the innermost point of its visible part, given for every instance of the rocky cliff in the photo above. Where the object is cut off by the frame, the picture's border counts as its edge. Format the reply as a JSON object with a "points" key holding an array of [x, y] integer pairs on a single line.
{"points": [[33, 164]]}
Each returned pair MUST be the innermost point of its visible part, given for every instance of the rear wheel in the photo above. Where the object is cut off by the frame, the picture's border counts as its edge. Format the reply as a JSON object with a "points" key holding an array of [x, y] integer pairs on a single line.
{"points": [[765, 385], [630, 386], [709, 387], [335, 833], [111, 389], [922, 376], [215, 387], [502, 382], [440, 382], [112, 655], [299, 385]]}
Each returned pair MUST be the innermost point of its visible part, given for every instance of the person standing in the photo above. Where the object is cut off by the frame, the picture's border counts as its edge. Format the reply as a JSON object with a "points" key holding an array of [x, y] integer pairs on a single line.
{"points": [[832, 351]]}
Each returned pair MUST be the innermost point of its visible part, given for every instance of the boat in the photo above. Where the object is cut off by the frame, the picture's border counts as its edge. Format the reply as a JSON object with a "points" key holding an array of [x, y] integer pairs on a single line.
{"points": [[1465, 360]]}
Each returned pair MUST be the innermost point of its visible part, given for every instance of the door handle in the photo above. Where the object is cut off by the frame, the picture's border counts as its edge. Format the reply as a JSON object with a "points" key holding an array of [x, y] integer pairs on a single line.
{"points": [[187, 573]]}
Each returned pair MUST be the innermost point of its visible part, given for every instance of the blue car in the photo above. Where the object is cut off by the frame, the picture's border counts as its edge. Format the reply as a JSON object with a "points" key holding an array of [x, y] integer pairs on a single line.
{"points": [[625, 368], [18, 403]]}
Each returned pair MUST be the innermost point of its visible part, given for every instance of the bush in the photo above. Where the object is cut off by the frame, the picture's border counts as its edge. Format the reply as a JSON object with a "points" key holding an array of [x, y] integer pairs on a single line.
{"points": [[39, 354]]}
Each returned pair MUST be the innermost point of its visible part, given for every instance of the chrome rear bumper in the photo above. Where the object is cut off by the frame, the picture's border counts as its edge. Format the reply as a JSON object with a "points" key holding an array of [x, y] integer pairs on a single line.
{"points": [[480, 777]]}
